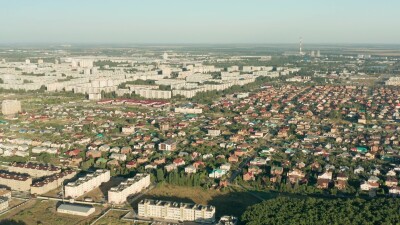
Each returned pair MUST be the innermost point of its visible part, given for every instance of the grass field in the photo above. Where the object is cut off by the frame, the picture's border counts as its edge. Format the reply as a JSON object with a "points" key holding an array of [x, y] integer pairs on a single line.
{"points": [[113, 218], [44, 212], [227, 202]]}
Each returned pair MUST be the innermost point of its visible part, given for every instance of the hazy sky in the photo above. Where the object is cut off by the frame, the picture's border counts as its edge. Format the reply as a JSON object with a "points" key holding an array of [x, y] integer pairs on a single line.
{"points": [[199, 21]]}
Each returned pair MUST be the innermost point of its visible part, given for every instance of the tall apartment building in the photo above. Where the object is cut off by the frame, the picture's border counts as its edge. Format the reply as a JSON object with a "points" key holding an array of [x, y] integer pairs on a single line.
{"points": [[119, 194], [86, 183], [15, 181], [3, 204], [176, 211], [154, 93], [52, 182], [5, 196], [10, 107], [34, 169], [86, 63]]}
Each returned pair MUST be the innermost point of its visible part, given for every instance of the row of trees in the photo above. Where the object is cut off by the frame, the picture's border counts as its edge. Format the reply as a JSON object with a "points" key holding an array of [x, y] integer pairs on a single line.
{"points": [[176, 178]]}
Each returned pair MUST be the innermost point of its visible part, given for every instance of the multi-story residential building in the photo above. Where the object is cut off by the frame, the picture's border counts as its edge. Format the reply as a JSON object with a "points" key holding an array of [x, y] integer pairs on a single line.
{"points": [[4, 193], [52, 182], [154, 93], [34, 169], [15, 181], [86, 183], [176, 211], [3, 204], [119, 194], [5, 196]]}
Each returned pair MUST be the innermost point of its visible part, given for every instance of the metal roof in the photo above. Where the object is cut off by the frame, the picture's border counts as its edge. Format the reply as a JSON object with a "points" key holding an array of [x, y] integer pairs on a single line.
{"points": [[74, 207]]}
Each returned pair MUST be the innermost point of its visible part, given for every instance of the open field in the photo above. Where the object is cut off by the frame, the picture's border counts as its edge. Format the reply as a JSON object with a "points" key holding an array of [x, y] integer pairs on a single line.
{"points": [[44, 212], [113, 218], [227, 202]]}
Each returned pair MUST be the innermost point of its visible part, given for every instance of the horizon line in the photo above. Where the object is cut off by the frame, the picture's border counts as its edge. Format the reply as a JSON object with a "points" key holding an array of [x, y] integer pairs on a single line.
{"points": [[194, 43]]}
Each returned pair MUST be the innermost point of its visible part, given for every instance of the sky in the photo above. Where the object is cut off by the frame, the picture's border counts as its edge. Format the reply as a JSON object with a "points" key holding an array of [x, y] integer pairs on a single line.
{"points": [[200, 21]]}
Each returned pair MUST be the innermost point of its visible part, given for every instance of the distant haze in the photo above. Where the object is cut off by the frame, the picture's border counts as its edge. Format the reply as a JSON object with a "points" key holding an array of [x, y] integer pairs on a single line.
{"points": [[200, 21]]}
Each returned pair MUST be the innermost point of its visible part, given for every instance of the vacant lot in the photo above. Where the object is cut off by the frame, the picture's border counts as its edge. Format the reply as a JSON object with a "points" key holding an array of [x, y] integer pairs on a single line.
{"points": [[113, 218], [44, 212], [227, 202]]}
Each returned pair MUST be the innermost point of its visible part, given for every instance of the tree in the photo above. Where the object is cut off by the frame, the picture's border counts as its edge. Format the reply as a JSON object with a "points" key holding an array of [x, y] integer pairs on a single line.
{"points": [[87, 164], [160, 175], [44, 157]]}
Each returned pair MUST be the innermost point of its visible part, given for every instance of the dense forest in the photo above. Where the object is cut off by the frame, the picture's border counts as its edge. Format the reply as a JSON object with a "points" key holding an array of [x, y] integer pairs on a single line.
{"points": [[284, 210]]}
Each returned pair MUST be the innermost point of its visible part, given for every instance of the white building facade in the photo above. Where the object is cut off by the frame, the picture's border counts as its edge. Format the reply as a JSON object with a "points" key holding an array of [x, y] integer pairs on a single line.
{"points": [[119, 194]]}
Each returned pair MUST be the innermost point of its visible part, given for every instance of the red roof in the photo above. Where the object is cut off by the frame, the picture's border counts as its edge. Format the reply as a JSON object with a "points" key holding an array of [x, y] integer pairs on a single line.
{"points": [[74, 152]]}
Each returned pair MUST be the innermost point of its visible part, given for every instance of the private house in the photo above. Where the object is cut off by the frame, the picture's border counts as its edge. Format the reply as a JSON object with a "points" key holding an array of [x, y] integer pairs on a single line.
{"points": [[217, 173], [248, 176], [190, 169], [169, 145], [295, 176]]}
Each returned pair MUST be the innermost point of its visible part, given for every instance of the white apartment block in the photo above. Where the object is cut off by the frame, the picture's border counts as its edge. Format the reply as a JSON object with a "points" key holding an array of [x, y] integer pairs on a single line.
{"points": [[3, 204], [86, 63], [10, 107], [198, 77], [175, 211], [119, 194], [170, 82], [86, 183], [186, 93], [154, 93]]}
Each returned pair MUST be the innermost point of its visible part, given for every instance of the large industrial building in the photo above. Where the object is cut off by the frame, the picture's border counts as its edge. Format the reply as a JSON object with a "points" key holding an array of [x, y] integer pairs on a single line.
{"points": [[10, 107], [86, 183], [119, 194], [74, 209], [175, 211]]}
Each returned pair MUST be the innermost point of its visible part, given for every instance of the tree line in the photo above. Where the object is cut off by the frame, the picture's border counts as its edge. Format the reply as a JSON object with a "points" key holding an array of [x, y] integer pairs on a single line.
{"points": [[284, 210]]}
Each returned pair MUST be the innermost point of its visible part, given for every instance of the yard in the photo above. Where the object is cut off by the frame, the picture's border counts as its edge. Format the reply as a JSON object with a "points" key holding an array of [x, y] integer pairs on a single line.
{"points": [[113, 218]]}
